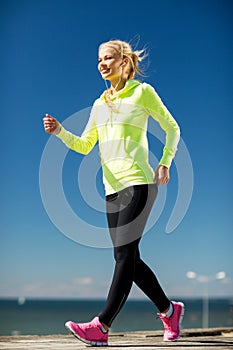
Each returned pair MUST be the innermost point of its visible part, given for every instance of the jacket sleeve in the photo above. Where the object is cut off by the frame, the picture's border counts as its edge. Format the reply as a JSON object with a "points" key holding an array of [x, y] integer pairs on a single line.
{"points": [[82, 144], [159, 112]]}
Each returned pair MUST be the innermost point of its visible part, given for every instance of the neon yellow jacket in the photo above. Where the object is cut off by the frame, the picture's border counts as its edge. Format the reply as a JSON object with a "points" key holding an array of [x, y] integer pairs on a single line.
{"points": [[122, 135]]}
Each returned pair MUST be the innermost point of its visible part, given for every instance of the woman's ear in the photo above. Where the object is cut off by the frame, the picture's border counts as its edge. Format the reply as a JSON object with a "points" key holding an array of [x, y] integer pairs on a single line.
{"points": [[125, 62]]}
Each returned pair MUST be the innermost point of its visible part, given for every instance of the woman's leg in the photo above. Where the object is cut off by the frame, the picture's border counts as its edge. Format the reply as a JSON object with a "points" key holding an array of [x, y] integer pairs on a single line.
{"points": [[127, 216], [146, 280], [121, 283]]}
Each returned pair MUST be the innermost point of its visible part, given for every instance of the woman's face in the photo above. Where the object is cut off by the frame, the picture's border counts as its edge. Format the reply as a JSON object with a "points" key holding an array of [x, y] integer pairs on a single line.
{"points": [[110, 63]]}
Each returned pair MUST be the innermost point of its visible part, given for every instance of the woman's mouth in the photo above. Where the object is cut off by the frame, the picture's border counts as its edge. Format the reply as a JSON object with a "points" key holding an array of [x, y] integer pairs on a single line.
{"points": [[105, 71]]}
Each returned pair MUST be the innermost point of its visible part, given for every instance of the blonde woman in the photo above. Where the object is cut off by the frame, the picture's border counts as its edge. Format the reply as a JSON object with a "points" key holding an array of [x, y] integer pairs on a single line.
{"points": [[118, 121]]}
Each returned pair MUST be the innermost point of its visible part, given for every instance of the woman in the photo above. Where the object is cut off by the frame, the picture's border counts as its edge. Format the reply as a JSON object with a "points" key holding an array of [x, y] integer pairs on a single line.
{"points": [[118, 121]]}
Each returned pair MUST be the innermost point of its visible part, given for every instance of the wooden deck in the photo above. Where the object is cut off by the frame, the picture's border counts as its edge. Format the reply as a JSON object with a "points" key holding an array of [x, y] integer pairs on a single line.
{"points": [[216, 338]]}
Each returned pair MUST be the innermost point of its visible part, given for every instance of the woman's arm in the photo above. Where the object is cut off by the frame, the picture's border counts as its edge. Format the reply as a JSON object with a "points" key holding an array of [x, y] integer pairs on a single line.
{"points": [[81, 144], [159, 112]]}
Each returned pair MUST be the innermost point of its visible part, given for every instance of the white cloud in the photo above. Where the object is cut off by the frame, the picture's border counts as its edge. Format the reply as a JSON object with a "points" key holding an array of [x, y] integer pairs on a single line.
{"points": [[80, 287], [88, 287], [83, 281]]}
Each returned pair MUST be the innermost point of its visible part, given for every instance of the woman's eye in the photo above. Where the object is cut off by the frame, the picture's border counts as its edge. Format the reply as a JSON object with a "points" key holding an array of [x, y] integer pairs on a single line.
{"points": [[105, 58]]}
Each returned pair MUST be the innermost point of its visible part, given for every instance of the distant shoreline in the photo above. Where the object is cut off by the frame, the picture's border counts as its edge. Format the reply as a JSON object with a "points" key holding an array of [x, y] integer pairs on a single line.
{"points": [[72, 299]]}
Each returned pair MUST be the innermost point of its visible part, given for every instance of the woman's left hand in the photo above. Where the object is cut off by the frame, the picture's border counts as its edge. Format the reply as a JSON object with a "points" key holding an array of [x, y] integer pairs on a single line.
{"points": [[162, 175]]}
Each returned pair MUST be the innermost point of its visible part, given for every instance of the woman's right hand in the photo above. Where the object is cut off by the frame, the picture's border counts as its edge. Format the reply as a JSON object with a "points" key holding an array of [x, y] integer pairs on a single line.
{"points": [[51, 125]]}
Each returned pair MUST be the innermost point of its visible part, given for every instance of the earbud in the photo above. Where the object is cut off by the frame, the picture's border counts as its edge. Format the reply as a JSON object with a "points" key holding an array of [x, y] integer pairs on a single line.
{"points": [[123, 63]]}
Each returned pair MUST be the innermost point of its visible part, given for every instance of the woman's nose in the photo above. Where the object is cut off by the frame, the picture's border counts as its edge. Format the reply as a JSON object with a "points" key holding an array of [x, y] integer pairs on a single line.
{"points": [[102, 65]]}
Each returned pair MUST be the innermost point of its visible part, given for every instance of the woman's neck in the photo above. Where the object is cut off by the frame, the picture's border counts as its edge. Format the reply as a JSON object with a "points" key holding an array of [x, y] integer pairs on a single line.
{"points": [[116, 86]]}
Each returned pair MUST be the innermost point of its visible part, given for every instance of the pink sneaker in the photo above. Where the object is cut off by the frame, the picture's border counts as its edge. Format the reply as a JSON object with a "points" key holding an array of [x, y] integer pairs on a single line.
{"points": [[90, 333], [172, 324]]}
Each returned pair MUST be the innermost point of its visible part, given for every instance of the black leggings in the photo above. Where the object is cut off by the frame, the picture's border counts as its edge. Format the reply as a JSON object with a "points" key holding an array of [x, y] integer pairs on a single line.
{"points": [[127, 214]]}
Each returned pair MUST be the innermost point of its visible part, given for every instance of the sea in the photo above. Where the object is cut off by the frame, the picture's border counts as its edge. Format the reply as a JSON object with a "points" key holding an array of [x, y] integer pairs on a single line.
{"points": [[28, 316]]}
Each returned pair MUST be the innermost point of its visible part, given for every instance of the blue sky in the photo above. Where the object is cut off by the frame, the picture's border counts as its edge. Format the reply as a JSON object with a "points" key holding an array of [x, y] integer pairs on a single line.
{"points": [[48, 64]]}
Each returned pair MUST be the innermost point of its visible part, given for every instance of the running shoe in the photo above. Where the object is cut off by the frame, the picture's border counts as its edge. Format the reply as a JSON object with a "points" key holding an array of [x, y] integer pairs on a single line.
{"points": [[90, 333], [172, 324]]}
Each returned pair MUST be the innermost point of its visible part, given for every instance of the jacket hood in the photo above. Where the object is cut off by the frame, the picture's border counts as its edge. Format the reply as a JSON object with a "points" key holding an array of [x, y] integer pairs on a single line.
{"points": [[129, 85]]}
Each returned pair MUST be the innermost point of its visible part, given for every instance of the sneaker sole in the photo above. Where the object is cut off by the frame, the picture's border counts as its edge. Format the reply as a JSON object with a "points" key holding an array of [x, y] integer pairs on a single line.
{"points": [[180, 322], [89, 342]]}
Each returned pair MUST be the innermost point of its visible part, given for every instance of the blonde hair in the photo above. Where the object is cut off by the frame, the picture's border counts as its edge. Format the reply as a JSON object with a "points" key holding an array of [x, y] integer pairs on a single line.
{"points": [[125, 50]]}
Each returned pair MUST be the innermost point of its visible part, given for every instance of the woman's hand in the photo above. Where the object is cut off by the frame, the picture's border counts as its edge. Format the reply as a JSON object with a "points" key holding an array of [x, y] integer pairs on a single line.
{"points": [[162, 175], [51, 125]]}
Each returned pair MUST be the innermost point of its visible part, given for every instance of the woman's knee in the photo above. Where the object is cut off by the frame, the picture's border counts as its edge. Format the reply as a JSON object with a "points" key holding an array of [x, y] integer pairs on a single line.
{"points": [[127, 252]]}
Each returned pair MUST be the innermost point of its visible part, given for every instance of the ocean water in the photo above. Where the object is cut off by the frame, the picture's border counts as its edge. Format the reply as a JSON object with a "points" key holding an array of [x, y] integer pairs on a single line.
{"points": [[27, 317]]}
